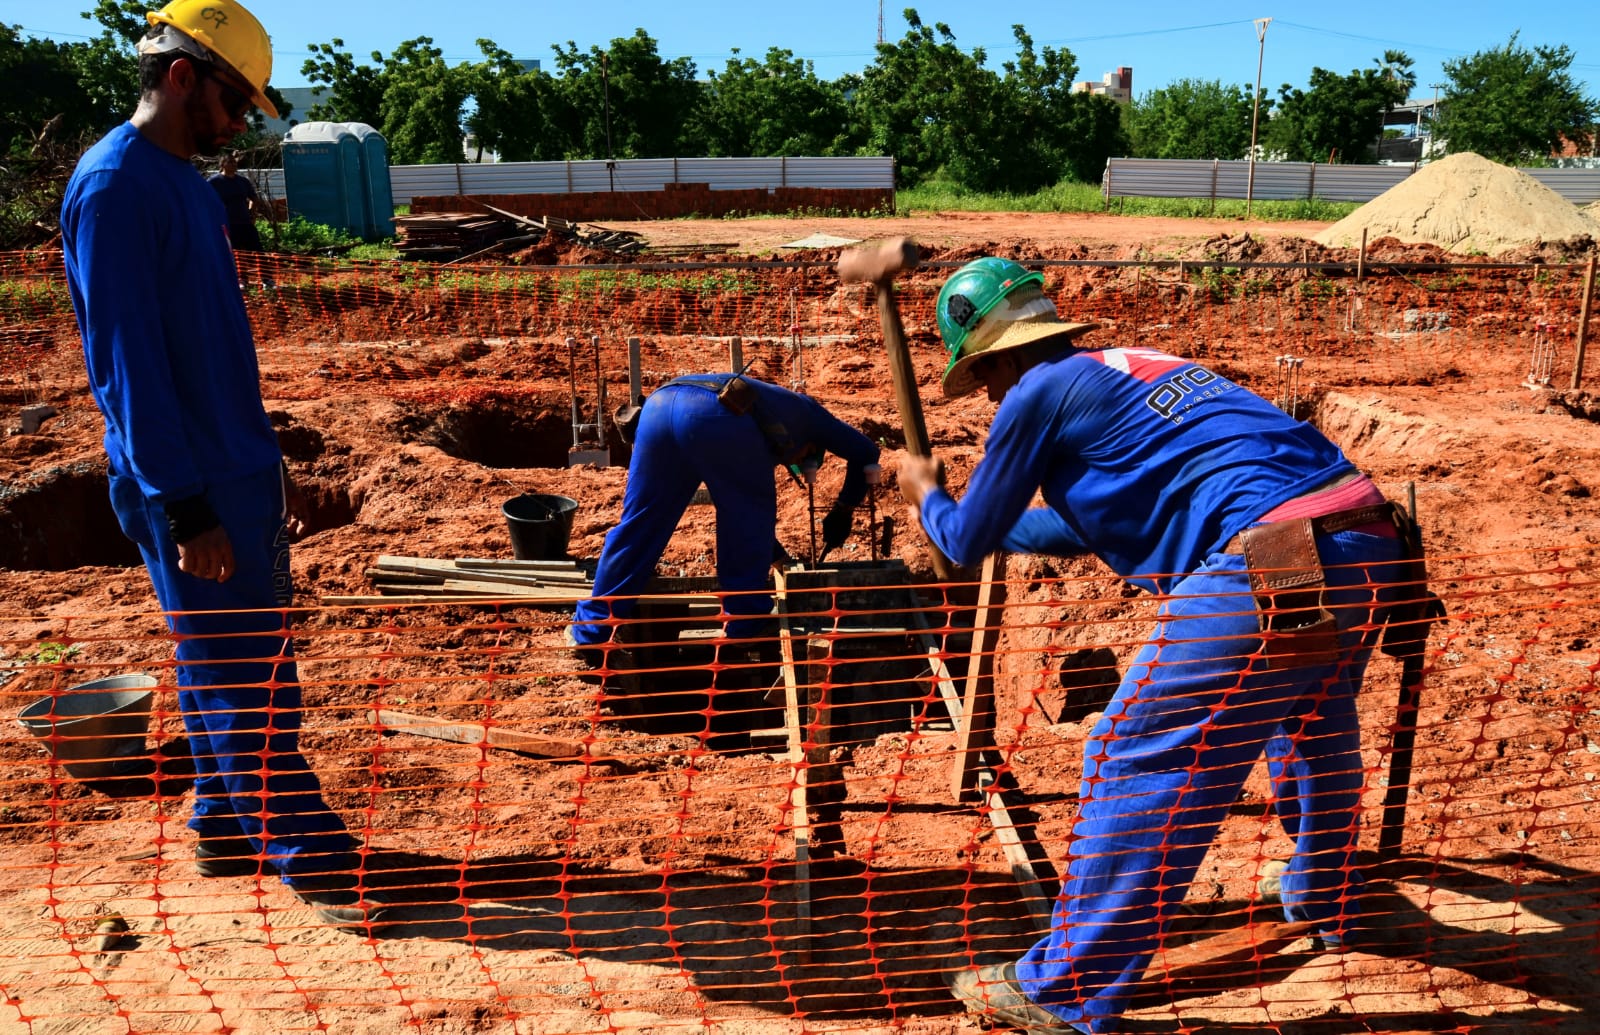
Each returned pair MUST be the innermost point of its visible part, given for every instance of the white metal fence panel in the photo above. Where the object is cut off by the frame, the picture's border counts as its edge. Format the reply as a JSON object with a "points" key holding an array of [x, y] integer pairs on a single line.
{"points": [[1579, 185], [1294, 181], [628, 174]]}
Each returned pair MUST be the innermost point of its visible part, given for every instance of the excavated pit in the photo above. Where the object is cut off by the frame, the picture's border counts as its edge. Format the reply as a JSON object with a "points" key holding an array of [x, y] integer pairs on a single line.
{"points": [[498, 432]]}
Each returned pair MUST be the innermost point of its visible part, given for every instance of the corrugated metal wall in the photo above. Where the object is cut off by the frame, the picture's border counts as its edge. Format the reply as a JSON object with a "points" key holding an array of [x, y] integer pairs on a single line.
{"points": [[1294, 181], [634, 174]]}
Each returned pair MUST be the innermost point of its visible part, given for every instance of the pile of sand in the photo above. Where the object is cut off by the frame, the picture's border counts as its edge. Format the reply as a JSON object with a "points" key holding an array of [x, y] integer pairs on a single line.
{"points": [[1464, 204]]}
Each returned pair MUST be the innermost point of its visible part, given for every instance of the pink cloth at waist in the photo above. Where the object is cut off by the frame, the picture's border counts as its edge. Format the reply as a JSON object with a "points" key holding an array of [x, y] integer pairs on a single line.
{"points": [[1345, 494]]}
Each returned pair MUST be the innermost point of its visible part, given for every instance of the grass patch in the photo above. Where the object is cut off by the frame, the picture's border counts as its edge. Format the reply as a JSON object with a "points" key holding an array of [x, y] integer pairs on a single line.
{"points": [[1066, 196]]}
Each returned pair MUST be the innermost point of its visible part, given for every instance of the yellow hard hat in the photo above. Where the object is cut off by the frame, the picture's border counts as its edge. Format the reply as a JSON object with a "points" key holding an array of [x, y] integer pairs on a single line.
{"points": [[229, 33]]}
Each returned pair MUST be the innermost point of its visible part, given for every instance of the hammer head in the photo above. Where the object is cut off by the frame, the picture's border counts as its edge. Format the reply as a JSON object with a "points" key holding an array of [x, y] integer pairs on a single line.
{"points": [[878, 263]]}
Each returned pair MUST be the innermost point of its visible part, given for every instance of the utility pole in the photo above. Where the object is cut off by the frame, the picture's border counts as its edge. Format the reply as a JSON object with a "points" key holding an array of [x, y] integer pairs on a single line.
{"points": [[1433, 117], [1255, 114], [605, 89], [880, 21]]}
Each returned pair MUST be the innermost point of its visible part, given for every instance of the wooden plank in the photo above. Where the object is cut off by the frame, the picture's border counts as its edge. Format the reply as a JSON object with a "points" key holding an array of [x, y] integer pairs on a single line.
{"points": [[450, 571], [474, 733], [975, 729], [493, 563], [799, 808], [553, 598], [1229, 948], [1030, 865]]}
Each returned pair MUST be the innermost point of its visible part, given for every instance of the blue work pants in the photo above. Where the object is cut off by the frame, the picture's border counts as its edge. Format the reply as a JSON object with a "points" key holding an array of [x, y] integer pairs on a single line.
{"points": [[1168, 757], [237, 683], [686, 438]]}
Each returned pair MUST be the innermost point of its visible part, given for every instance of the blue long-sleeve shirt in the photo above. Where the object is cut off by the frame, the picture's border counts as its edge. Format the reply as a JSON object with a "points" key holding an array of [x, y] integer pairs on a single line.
{"points": [[1147, 460], [166, 341], [809, 429]]}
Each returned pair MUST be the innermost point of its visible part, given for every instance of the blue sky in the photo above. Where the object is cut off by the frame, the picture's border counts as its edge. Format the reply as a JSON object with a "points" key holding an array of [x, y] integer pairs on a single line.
{"points": [[1162, 41]]}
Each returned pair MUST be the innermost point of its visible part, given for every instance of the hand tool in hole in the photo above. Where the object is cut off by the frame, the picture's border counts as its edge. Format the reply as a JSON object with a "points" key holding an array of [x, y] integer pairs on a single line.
{"points": [[833, 536], [877, 264], [808, 472], [1405, 636]]}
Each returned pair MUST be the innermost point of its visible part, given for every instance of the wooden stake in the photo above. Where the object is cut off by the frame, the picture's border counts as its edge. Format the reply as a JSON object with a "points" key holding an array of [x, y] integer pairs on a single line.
{"points": [[1583, 325]]}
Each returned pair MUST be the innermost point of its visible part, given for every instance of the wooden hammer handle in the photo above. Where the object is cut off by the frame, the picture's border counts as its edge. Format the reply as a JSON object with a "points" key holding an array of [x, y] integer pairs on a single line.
{"points": [[909, 400]]}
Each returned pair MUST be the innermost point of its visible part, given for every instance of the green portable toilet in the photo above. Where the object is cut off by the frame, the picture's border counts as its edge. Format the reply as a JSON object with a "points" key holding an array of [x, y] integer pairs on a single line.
{"points": [[377, 195], [322, 179]]}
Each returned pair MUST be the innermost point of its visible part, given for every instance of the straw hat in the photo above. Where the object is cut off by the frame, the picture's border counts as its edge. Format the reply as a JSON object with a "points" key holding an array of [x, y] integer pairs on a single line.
{"points": [[990, 305]]}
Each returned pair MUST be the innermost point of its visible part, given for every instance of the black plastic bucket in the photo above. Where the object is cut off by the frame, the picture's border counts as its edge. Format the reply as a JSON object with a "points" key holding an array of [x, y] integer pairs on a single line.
{"points": [[540, 525]]}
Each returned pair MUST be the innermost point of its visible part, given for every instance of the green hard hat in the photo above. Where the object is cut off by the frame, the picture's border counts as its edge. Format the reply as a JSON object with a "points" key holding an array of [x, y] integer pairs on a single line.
{"points": [[972, 292]]}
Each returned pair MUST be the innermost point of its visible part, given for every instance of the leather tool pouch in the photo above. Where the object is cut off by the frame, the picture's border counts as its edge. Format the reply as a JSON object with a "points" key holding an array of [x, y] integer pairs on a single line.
{"points": [[627, 421], [1286, 578], [1405, 631], [737, 395]]}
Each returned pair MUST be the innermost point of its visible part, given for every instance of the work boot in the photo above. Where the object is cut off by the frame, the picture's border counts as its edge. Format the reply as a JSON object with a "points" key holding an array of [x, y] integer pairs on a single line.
{"points": [[226, 857], [338, 900], [589, 655], [994, 993]]}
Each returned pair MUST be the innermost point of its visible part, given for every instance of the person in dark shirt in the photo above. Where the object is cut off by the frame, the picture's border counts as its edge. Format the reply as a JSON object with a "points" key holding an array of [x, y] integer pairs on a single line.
{"points": [[238, 196]]}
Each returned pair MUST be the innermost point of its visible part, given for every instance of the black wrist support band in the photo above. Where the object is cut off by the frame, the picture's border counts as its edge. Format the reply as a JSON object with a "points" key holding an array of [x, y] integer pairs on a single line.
{"points": [[187, 518]]}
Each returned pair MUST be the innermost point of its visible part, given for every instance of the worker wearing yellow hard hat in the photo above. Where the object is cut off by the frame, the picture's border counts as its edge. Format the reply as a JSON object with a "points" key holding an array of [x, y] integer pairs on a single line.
{"points": [[197, 477], [216, 31]]}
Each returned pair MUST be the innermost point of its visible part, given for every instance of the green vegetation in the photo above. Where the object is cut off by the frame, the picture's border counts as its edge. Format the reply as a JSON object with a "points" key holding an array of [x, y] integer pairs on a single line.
{"points": [[52, 653], [299, 236], [35, 296], [943, 196], [964, 134]]}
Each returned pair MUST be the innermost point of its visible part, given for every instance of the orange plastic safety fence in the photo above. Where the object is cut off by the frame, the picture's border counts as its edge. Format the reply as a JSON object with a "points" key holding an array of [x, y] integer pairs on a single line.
{"points": [[767, 835], [1284, 329]]}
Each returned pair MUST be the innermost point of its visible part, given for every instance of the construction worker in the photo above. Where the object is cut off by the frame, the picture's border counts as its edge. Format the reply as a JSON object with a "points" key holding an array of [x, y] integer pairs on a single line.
{"points": [[1277, 562], [197, 478], [726, 431], [239, 198]]}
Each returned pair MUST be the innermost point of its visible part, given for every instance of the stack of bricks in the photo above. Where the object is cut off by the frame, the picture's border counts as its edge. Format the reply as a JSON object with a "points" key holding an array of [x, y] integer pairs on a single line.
{"points": [[675, 200]]}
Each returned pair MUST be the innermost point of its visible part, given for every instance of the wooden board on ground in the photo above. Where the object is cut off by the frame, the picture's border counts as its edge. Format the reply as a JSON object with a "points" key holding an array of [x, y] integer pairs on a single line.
{"points": [[475, 733]]}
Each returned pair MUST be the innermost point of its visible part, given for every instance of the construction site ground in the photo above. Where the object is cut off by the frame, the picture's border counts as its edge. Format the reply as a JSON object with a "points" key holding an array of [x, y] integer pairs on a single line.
{"points": [[653, 896]]}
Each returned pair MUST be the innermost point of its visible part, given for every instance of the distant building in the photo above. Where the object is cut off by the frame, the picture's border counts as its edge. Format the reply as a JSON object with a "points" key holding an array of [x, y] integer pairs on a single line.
{"points": [[1116, 85], [301, 99]]}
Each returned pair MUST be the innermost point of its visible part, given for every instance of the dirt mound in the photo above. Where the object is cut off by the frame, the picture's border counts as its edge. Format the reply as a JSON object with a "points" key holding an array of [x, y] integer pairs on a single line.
{"points": [[1466, 204]]}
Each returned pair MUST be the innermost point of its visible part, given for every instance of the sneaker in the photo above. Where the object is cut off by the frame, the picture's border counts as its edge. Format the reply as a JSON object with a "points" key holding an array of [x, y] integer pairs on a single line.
{"points": [[338, 901], [994, 993], [226, 857]]}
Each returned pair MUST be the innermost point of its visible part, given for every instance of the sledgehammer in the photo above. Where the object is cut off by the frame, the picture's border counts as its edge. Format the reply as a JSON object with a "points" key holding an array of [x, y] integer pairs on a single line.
{"points": [[877, 264]]}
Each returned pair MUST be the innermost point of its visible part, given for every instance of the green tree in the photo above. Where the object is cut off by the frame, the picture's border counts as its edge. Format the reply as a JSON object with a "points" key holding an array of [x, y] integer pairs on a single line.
{"points": [[1339, 119], [1042, 130], [412, 97], [920, 96], [1193, 118], [625, 101], [345, 91], [423, 99], [773, 107], [515, 111], [1513, 104], [43, 93]]}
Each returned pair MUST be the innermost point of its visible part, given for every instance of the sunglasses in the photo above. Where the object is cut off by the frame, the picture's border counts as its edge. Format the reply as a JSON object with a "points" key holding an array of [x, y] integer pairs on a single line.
{"points": [[236, 103]]}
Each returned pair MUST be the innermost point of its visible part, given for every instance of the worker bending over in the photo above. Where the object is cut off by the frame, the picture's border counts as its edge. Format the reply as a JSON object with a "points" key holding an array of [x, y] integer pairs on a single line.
{"points": [[727, 431]]}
